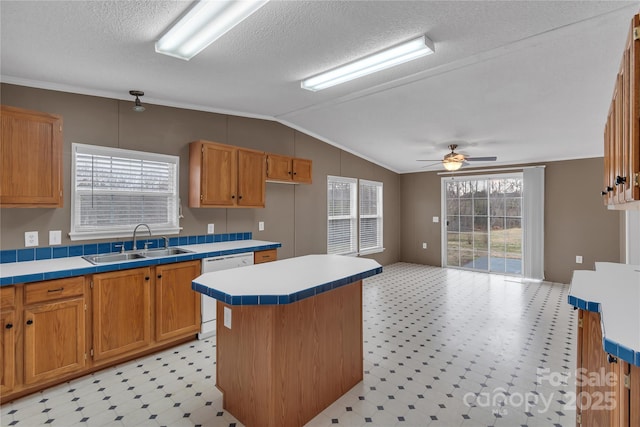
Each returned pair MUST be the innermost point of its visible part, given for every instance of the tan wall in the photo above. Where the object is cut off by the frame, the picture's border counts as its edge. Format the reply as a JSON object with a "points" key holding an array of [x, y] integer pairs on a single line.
{"points": [[295, 215], [576, 221]]}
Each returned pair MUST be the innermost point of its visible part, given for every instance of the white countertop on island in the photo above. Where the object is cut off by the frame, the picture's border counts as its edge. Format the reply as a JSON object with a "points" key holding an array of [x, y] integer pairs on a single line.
{"points": [[284, 281], [613, 290]]}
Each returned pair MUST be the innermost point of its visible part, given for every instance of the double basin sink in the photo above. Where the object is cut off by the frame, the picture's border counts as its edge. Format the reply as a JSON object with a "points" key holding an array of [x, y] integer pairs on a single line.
{"points": [[128, 256]]}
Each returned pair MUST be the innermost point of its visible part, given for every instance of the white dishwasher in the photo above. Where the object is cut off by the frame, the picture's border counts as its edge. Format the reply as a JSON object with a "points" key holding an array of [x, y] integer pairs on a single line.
{"points": [[226, 262]]}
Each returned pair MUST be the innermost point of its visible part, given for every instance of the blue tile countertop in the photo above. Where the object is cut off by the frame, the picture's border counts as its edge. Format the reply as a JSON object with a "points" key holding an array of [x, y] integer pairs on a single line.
{"points": [[285, 281], [69, 266], [613, 290]]}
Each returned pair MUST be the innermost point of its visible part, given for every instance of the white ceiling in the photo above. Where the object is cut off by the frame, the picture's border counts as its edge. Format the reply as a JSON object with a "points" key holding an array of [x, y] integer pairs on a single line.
{"points": [[527, 81]]}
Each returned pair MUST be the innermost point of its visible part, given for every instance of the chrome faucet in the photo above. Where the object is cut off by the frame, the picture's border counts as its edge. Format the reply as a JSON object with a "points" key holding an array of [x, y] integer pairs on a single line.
{"points": [[166, 241], [135, 245]]}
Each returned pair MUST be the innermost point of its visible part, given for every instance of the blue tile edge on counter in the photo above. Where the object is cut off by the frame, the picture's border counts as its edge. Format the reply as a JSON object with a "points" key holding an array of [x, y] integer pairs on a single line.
{"points": [[54, 252], [282, 299], [613, 348]]}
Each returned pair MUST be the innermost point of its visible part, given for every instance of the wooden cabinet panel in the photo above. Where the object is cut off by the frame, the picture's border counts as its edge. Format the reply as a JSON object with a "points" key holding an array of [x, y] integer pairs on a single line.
{"points": [[302, 170], [225, 176], [121, 312], [31, 159], [288, 169], [622, 129], [54, 339], [177, 305], [7, 297], [7, 350], [265, 256], [53, 290], [251, 178]]}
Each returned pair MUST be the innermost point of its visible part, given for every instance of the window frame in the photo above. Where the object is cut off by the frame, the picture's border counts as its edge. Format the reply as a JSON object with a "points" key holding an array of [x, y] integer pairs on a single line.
{"points": [[355, 216], [378, 215], [78, 232]]}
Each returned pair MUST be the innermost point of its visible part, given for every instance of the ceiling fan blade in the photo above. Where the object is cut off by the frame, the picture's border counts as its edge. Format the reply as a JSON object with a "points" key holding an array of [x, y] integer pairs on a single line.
{"points": [[481, 159], [428, 160], [439, 162]]}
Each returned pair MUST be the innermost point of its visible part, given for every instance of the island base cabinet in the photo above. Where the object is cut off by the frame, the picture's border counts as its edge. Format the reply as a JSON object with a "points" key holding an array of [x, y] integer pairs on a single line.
{"points": [[281, 365]]}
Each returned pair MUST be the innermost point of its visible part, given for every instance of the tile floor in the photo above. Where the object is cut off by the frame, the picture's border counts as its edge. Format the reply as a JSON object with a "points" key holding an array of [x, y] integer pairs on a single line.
{"points": [[442, 348]]}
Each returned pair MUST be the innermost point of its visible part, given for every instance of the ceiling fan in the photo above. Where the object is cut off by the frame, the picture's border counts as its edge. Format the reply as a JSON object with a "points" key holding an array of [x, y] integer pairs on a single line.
{"points": [[454, 161]]}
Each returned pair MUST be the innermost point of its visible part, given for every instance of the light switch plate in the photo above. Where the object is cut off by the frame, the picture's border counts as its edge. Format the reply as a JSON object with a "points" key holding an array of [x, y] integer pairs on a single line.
{"points": [[30, 238], [424, 245], [55, 237], [227, 317], [261, 226], [436, 219], [210, 228], [578, 259]]}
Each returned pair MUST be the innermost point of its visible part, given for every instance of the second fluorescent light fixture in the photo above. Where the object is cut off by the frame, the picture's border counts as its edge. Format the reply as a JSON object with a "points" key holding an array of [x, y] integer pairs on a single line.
{"points": [[207, 21], [396, 55]]}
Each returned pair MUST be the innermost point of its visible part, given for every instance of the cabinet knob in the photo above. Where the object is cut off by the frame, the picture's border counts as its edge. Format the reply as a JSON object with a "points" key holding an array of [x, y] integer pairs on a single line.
{"points": [[621, 180], [612, 359], [233, 196], [9, 325], [147, 278], [159, 276], [609, 189], [239, 197], [29, 322], [604, 193]]}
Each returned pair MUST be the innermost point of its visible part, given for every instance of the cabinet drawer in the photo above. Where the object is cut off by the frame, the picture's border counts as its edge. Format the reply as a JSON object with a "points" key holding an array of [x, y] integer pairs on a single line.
{"points": [[54, 289], [7, 297], [265, 256]]}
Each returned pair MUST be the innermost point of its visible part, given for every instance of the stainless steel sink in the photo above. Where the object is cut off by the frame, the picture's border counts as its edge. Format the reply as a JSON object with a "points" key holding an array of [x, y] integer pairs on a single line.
{"points": [[106, 258], [165, 252]]}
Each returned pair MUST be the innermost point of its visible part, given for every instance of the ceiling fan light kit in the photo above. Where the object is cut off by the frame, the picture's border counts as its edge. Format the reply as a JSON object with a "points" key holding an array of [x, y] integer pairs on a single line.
{"points": [[382, 60], [454, 161], [205, 22]]}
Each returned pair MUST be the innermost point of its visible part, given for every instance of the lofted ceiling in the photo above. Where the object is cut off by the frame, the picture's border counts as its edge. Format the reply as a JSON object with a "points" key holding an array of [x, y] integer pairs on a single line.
{"points": [[527, 81]]}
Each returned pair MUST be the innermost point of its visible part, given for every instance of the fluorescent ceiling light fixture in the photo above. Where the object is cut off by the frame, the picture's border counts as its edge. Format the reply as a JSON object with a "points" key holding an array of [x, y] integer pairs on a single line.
{"points": [[396, 55], [207, 21]]}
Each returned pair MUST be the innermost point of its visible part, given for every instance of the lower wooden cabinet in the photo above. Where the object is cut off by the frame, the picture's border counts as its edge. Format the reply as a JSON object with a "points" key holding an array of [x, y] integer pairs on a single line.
{"points": [[121, 312], [177, 305], [7, 338], [57, 330], [608, 388], [265, 256], [54, 339]]}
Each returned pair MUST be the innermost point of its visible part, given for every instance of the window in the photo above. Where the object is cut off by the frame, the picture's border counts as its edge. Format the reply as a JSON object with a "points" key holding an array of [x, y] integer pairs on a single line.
{"points": [[115, 189], [342, 215], [370, 215], [350, 229]]}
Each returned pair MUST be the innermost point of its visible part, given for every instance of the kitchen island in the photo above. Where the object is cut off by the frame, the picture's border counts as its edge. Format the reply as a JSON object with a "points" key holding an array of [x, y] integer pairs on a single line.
{"points": [[289, 340]]}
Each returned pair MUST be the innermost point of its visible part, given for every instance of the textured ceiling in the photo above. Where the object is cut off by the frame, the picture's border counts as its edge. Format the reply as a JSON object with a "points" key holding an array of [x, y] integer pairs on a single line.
{"points": [[524, 80]]}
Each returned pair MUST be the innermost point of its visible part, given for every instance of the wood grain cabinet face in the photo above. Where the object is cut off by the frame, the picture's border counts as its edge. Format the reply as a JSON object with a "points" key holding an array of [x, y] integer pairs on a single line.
{"points": [[225, 176], [268, 255], [31, 159], [7, 338], [622, 129], [121, 312], [288, 169], [177, 305]]}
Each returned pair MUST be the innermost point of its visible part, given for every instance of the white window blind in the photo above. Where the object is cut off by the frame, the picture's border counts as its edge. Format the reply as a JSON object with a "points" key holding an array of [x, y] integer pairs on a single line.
{"points": [[370, 215], [115, 189], [342, 215]]}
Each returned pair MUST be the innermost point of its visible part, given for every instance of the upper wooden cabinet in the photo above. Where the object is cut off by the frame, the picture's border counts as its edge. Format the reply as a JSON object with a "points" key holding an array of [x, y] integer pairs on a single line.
{"points": [[288, 169], [622, 130], [225, 176], [31, 158]]}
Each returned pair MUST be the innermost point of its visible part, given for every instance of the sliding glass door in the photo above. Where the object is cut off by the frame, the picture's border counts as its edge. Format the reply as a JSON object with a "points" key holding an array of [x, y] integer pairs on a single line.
{"points": [[484, 223]]}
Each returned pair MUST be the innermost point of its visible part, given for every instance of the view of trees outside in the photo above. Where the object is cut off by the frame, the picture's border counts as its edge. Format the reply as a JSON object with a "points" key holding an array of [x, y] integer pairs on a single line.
{"points": [[484, 224]]}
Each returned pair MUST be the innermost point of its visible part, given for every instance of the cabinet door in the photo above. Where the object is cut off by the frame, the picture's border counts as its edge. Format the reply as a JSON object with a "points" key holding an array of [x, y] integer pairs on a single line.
{"points": [[302, 170], [268, 255], [251, 178], [54, 339], [31, 158], [7, 350], [632, 79], [121, 312], [177, 305], [279, 167], [219, 175]]}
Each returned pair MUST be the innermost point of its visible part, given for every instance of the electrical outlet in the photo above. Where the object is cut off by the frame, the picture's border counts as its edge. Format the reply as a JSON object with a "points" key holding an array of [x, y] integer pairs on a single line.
{"points": [[55, 237], [578, 259], [436, 219], [261, 226], [424, 245], [30, 238], [210, 229]]}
